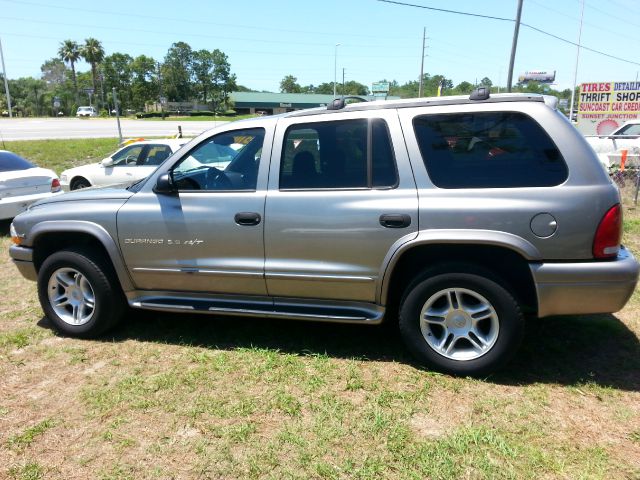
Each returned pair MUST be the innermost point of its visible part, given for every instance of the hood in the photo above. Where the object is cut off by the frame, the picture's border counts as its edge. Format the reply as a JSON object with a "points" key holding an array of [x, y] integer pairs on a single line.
{"points": [[89, 194]]}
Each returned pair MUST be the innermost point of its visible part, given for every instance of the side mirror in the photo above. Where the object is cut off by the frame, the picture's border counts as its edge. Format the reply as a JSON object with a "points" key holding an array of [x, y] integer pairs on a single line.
{"points": [[107, 162], [164, 184]]}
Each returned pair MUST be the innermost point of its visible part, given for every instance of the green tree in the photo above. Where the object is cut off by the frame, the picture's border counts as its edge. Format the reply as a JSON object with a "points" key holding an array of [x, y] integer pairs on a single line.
{"points": [[177, 72], [69, 52], [486, 82], [203, 65], [224, 82], [144, 83], [289, 84], [93, 53], [116, 69], [464, 88]]}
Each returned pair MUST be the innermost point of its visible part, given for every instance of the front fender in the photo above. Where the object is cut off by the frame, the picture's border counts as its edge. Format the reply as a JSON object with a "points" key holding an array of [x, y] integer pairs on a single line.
{"points": [[95, 230]]}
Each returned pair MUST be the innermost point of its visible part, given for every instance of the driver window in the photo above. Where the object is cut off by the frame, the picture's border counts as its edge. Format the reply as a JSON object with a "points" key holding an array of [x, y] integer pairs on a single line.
{"points": [[227, 161], [128, 156]]}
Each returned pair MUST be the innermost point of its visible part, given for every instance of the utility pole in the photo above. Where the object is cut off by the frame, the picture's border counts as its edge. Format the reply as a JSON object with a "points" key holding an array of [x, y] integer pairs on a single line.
{"points": [[115, 102], [6, 83], [342, 82], [575, 72], [424, 38], [514, 45]]}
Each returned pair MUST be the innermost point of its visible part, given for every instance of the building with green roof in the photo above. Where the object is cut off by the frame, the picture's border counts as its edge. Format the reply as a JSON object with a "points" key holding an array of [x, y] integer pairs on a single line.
{"points": [[273, 103]]}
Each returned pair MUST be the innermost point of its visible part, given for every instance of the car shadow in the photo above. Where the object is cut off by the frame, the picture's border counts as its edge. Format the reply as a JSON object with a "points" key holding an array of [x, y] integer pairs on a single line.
{"points": [[597, 349]]}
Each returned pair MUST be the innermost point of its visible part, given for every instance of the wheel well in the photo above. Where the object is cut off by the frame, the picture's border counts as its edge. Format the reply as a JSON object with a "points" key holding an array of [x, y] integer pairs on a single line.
{"points": [[74, 180], [510, 268], [49, 243]]}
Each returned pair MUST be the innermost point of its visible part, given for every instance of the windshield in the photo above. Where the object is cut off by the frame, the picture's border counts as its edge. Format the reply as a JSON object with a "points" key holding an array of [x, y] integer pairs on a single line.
{"points": [[10, 162]]}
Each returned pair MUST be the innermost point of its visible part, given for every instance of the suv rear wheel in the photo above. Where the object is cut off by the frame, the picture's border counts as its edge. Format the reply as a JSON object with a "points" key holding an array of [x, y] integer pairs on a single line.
{"points": [[461, 323], [79, 294]]}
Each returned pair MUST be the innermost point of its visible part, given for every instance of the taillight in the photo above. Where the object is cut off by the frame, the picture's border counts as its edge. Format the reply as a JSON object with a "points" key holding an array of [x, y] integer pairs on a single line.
{"points": [[606, 243], [55, 185]]}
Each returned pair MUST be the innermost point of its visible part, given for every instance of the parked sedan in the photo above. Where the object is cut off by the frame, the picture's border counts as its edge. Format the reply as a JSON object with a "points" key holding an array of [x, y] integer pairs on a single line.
{"points": [[22, 183], [129, 164]]}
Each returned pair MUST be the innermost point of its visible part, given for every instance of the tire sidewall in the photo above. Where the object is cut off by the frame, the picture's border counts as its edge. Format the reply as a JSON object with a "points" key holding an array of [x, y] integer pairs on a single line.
{"points": [[510, 318], [106, 303]]}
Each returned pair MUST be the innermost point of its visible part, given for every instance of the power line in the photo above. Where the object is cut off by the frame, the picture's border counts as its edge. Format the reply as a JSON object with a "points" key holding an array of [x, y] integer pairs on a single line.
{"points": [[539, 30], [196, 21], [457, 12]]}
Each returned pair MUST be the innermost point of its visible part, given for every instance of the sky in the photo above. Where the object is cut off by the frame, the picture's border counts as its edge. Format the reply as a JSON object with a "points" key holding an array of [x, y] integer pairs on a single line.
{"points": [[267, 40]]}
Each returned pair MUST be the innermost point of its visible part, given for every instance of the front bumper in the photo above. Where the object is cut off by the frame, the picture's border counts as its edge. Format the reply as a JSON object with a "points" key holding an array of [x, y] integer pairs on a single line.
{"points": [[23, 259], [585, 287]]}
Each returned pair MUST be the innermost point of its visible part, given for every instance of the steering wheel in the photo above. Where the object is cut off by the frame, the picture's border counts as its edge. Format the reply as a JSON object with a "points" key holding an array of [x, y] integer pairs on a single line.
{"points": [[130, 159], [217, 180]]}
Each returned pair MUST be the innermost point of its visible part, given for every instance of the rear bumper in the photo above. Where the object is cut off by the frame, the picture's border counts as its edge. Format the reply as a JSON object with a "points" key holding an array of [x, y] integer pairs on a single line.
{"points": [[12, 206], [585, 287], [23, 259]]}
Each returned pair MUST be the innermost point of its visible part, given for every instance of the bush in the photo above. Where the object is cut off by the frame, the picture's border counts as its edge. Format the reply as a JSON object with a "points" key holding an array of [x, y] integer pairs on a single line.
{"points": [[148, 114], [104, 113]]}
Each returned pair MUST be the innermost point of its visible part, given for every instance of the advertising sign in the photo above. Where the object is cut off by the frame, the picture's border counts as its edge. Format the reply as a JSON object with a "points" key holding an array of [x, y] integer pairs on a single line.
{"points": [[538, 76], [604, 106]]}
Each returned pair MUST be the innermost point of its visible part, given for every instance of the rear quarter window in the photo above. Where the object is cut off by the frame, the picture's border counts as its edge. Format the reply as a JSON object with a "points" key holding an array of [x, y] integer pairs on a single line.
{"points": [[488, 150]]}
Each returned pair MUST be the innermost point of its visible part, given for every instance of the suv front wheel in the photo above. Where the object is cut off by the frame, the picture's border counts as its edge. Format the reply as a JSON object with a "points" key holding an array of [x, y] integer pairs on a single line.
{"points": [[79, 293], [461, 323]]}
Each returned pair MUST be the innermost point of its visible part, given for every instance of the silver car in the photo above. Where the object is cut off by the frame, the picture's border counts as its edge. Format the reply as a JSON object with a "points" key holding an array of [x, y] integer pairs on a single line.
{"points": [[453, 217]]}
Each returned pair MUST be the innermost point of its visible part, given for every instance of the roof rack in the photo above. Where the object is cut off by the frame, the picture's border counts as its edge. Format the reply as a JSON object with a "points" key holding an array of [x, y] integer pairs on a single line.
{"points": [[340, 103]]}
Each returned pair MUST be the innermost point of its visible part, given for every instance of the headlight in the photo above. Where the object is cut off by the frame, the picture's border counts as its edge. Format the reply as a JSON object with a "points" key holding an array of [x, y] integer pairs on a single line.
{"points": [[15, 237]]}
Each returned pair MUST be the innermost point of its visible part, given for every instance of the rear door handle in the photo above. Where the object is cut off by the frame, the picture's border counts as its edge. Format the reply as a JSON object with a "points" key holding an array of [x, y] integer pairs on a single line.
{"points": [[247, 218], [395, 220]]}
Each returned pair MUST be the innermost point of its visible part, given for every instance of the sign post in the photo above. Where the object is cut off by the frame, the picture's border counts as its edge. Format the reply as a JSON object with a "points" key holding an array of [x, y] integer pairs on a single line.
{"points": [[115, 102]]}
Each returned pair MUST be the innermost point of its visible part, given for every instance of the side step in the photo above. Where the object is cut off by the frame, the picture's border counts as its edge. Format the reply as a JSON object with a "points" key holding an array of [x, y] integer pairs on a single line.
{"points": [[277, 307]]}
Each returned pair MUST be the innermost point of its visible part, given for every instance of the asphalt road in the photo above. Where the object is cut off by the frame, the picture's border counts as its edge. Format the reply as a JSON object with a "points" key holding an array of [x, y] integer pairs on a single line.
{"points": [[46, 128]]}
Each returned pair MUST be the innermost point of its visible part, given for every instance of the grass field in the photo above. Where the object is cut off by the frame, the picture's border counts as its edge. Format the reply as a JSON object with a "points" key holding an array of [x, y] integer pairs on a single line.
{"points": [[205, 118], [188, 397]]}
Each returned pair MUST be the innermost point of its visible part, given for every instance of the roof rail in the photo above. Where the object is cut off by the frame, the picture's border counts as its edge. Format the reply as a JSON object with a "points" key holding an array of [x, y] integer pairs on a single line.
{"points": [[340, 103]]}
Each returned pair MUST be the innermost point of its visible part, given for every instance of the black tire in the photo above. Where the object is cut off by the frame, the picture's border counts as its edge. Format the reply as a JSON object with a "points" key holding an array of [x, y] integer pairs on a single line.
{"points": [[109, 304], [79, 183], [508, 317]]}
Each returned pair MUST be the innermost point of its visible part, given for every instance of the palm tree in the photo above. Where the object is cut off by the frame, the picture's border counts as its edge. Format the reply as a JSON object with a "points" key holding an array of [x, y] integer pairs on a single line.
{"points": [[69, 52], [93, 53]]}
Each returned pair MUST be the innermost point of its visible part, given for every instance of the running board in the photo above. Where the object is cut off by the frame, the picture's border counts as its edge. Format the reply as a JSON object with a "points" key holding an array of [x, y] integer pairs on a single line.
{"points": [[285, 308]]}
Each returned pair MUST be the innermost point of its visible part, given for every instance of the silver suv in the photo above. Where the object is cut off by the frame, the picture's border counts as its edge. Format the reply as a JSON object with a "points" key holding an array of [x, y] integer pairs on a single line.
{"points": [[453, 216]]}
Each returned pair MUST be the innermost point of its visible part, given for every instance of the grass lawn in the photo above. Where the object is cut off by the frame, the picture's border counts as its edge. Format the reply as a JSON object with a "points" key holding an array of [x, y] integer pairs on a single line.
{"points": [[179, 396]]}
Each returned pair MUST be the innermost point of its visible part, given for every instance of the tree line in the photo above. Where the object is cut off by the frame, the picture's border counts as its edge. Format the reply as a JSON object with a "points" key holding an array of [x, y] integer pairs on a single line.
{"points": [[431, 85], [184, 75]]}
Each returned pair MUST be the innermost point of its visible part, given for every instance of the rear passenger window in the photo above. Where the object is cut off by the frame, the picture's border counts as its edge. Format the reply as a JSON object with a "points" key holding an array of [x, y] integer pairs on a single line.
{"points": [[340, 154], [488, 150]]}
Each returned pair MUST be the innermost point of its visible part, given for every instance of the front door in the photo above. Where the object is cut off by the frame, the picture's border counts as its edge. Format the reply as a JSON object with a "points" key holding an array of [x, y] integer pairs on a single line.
{"points": [[209, 236]]}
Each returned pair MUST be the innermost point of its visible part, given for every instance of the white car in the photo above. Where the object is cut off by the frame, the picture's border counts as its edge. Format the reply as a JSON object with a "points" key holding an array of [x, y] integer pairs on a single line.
{"points": [[129, 164], [86, 112], [22, 183]]}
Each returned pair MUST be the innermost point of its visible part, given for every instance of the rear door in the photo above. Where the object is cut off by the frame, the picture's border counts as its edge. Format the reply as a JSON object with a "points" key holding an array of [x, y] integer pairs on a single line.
{"points": [[341, 193]]}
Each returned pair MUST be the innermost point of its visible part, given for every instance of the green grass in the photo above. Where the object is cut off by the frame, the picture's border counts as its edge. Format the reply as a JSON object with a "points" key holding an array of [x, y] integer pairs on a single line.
{"points": [[59, 155], [27, 437]]}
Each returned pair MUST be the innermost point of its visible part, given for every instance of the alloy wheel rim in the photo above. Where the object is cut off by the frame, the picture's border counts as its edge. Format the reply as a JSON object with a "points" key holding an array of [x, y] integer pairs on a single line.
{"points": [[71, 296], [459, 324]]}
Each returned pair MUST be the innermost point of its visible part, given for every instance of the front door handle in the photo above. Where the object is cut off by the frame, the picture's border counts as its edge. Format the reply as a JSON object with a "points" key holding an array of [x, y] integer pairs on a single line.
{"points": [[247, 218], [395, 220]]}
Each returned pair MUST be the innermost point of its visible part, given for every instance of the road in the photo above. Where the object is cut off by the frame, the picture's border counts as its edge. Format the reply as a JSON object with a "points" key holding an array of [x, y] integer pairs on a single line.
{"points": [[48, 128]]}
